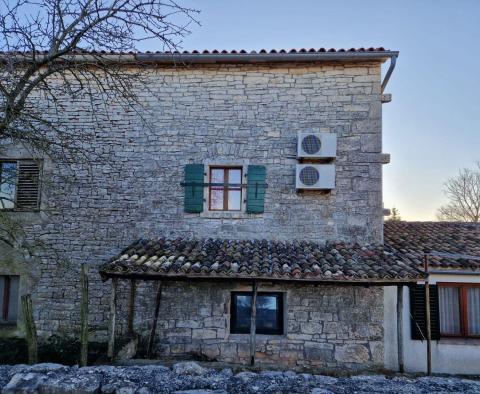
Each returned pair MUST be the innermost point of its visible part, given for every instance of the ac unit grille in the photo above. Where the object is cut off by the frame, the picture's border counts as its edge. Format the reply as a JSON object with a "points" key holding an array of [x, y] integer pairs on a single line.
{"points": [[311, 144], [309, 176]]}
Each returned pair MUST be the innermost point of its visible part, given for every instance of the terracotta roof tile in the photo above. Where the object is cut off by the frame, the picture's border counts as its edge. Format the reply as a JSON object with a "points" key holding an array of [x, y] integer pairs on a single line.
{"points": [[298, 260], [409, 241], [224, 51]]}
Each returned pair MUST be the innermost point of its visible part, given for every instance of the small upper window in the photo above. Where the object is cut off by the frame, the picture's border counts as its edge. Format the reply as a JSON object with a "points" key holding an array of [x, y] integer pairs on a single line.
{"points": [[459, 310], [8, 299], [225, 191], [269, 319], [8, 184], [19, 184]]}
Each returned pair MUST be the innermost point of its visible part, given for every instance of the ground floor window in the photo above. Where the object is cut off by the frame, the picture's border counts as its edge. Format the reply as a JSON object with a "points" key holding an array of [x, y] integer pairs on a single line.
{"points": [[459, 309], [269, 318], [8, 299]]}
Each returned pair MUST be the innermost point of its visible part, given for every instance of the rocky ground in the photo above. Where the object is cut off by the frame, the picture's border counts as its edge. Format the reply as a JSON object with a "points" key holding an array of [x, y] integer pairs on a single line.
{"points": [[191, 378]]}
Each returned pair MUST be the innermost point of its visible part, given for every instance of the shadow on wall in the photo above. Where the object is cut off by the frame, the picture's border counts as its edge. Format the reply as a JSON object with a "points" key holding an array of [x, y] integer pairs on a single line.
{"points": [[56, 349]]}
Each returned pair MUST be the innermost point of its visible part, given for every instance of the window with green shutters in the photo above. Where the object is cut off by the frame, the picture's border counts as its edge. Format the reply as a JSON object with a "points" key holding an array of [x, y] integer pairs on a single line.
{"points": [[226, 189], [255, 189], [194, 174]]}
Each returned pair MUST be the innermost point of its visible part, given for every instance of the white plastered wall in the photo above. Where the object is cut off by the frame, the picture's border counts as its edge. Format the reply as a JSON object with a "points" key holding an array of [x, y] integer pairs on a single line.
{"points": [[449, 355]]}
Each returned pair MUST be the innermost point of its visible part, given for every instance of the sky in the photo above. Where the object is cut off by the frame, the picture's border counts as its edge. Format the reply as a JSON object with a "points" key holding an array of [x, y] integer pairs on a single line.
{"points": [[431, 127]]}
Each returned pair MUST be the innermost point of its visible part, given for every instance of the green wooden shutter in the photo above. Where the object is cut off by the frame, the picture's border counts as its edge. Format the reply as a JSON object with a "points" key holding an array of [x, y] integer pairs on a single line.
{"points": [[194, 194], [255, 189], [417, 312]]}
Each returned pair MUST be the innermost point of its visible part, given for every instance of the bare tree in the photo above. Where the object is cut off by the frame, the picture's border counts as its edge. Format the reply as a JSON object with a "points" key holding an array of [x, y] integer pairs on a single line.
{"points": [[463, 192], [54, 53]]}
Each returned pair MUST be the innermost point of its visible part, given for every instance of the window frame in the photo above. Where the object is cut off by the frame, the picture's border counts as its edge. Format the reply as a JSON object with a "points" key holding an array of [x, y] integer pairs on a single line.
{"points": [[224, 188], [463, 308], [6, 297], [234, 329]]}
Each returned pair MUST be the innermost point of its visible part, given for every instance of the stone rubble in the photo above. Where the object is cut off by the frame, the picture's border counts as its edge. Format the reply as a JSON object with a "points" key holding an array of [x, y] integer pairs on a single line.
{"points": [[191, 378]]}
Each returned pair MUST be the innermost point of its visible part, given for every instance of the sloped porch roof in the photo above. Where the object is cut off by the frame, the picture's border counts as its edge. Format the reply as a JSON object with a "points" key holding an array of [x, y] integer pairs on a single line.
{"points": [[300, 261]]}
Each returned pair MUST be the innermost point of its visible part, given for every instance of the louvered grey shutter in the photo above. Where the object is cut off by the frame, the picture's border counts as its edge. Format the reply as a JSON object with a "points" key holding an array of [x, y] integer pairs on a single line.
{"points": [[28, 185], [417, 312]]}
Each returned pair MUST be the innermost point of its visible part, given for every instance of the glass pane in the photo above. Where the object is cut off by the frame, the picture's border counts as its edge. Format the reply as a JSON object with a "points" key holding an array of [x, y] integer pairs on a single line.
{"points": [[267, 313], [449, 301], [8, 176], [216, 199], [244, 310], [13, 299], [235, 176], [234, 200], [217, 175], [267, 306], [473, 296]]}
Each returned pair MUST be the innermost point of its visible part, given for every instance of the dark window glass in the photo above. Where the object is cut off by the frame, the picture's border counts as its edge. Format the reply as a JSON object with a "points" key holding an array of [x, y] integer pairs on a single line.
{"points": [[226, 197], [8, 180], [9, 298], [269, 318]]}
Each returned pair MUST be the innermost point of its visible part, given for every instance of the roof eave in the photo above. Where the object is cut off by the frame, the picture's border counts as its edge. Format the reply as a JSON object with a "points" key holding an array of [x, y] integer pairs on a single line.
{"points": [[212, 58], [215, 58], [206, 278]]}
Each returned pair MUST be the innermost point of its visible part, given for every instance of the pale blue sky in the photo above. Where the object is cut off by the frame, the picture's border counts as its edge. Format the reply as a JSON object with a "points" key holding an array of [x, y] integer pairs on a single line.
{"points": [[431, 127]]}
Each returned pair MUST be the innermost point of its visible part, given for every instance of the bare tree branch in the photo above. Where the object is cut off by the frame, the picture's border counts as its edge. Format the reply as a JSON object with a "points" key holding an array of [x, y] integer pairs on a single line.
{"points": [[463, 192], [55, 53]]}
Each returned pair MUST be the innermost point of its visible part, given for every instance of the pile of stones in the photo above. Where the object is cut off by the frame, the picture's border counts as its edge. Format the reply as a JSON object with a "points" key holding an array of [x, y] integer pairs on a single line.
{"points": [[191, 378]]}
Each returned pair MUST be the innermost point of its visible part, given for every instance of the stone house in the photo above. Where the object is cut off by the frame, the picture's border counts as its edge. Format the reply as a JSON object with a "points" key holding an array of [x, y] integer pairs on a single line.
{"points": [[261, 178]]}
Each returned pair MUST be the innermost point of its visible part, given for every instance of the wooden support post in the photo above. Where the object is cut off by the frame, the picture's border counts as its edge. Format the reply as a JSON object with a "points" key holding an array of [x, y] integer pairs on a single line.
{"points": [[427, 319], [113, 318], [400, 328], [30, 329], [429, 329], [131, 307], [151, 339], [253, 323], [84, 317]]}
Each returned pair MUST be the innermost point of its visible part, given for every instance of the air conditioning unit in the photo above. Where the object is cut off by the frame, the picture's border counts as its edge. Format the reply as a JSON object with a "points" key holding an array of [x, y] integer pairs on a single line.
{"points": [[315, 176], [317, 145]]}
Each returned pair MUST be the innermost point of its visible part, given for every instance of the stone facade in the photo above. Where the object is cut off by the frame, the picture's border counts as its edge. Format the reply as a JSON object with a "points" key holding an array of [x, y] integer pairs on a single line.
{"points": [[216, 114], [327, 327]]}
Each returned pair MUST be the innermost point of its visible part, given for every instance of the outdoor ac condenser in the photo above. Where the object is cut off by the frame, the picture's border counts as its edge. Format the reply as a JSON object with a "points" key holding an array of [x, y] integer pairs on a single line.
{"points": [[315, 177], [317, 145]]}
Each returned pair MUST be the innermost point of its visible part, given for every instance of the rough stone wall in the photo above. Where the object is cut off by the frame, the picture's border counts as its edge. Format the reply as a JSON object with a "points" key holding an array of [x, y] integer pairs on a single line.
{"points": [[327, 327], [235, 114]]}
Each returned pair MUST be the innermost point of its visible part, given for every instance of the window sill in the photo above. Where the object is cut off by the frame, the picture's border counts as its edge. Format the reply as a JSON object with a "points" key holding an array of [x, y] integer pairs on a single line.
{"points": [[228, 215], [261, 337], [24, 210], [459, 341]]}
